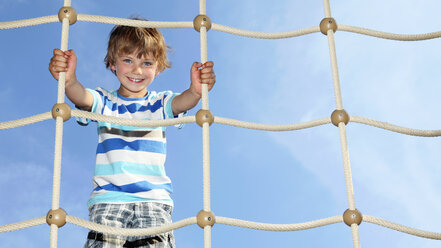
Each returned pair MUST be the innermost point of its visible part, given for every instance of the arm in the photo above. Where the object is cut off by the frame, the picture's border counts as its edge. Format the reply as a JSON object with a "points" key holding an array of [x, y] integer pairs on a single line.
{"points": [[67, 62], [190, 98]]}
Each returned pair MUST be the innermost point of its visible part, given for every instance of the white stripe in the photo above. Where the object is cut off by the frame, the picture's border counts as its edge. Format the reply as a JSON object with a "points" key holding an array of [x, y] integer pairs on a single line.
{"points": [[146, 115], [130, 156], [124, 179]]}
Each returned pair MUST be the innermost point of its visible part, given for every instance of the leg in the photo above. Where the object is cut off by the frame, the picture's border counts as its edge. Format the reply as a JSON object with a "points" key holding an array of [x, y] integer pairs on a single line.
{"points": [[114, 215], [150, 214]]}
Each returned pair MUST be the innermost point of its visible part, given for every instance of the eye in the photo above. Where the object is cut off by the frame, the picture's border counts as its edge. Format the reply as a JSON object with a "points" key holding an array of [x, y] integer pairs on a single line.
{"points": [[147, 63], [127, 61]]}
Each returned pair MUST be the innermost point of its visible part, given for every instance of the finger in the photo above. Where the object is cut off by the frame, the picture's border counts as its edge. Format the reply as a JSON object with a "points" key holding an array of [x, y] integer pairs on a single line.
{"points": [[195, 66], [207, 75], [59, 59], [207, 70], [59, 63], [58, 52], [56, 68], [208, 64]]}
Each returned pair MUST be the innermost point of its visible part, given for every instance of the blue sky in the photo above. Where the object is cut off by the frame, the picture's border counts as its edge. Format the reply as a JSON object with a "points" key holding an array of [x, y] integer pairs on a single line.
{"points": [[273, 177]]}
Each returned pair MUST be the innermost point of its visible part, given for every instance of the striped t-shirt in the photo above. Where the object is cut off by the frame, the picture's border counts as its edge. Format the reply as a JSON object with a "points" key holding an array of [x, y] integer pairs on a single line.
{"points": [[130, 160]]}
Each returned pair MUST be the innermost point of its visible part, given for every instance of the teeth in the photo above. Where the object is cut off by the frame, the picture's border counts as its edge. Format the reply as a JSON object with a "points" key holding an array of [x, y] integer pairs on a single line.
{"points": [[136, 80]]}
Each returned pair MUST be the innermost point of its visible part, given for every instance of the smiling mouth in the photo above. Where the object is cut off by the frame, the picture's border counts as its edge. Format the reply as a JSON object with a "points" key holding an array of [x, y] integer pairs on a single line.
{"points": [[135, 80]]}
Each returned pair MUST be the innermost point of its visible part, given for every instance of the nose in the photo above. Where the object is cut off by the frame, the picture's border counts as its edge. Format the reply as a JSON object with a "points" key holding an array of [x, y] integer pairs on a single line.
{"points": [[137, 70]]}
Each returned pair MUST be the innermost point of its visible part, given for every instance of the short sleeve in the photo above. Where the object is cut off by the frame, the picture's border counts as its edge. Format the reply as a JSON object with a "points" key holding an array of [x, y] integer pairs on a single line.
{"points": [[96, 103], [168, 110]]}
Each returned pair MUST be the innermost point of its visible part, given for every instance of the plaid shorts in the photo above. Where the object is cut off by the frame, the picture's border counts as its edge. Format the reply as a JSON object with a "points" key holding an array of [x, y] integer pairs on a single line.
{"points": [[130, 215]]}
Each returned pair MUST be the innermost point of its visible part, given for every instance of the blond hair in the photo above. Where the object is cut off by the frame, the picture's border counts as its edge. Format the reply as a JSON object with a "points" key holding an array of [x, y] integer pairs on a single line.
{"points": [[125, 40]]}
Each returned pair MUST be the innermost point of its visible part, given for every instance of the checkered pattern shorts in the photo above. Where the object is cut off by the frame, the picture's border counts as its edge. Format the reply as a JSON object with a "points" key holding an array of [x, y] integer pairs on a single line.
{"points": [[130, 215]]}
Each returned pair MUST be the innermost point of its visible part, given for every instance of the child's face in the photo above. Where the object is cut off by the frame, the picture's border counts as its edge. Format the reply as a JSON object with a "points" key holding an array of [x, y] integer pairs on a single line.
{"points": [[134, 74]]}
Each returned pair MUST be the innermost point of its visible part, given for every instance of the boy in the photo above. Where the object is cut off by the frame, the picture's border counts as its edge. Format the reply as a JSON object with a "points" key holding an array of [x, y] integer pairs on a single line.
{"points": [[131, 189]]}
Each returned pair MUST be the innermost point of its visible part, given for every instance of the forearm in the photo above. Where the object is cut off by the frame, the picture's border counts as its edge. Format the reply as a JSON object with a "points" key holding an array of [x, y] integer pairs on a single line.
{"points": [[185, 101], [78, 95]]}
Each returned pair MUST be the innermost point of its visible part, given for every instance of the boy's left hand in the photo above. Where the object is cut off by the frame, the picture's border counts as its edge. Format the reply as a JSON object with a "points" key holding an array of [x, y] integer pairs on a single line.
{"points": [[202, 74]]}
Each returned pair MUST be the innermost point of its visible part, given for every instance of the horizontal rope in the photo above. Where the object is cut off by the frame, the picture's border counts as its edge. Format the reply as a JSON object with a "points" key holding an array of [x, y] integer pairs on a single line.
{"points": [[394, 128], [22, 225], [130, 231], [278, 227], [25, 121], [29, 22], [264, 35], [133, 23], [128, 122], [271, 127], [390, 36], [401, 228], [219, 27]]}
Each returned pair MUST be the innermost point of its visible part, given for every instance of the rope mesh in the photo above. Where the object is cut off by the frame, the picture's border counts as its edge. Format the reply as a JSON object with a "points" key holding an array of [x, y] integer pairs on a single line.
{"points": [[219, 120]]}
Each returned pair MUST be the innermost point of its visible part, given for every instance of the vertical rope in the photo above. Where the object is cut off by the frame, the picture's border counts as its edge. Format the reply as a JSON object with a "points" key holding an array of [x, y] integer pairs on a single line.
{"points": [[355, 236], [207, 237], [59, 134], [63, 47], [202, 7], [205, 128], [205, 131], [334, 67], [204, 56], [206, 165], [346, 166], [341, 126], [53, 236], [67, 3], [57, 163], [327, 8]]}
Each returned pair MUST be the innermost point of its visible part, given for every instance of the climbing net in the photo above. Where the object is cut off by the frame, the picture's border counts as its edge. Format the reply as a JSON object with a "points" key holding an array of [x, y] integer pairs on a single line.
{"points": [[61, 112]]}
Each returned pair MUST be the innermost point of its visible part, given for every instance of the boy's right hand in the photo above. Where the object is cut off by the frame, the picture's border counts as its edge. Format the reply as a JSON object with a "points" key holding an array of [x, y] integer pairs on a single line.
{"points": [[63, 62]]}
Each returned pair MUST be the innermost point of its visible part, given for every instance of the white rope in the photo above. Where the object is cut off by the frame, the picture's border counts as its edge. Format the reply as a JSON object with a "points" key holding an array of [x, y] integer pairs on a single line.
{"points": [[207, 236], [390, 36], [130, 232], [133, 23], [25, 121], [401, 228], [334, 67], [355, 236], [63, 47], [341, 126], [271, 127], [29, 22], [327, 8], [395, 128], [220, 120], [206, 165], [22, 225], [202, 7], [57, 163], [53, 236], [278, 227], [346, 165], [264, 35], [135, 123]]}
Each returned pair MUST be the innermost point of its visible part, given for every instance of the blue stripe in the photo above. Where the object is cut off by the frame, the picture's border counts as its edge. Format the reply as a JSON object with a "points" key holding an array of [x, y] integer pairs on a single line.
{"points": [[122, 197], [137, 145], [127, 167], [142, 186], [131, 108]]}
